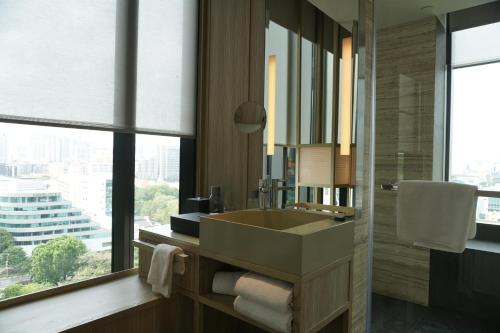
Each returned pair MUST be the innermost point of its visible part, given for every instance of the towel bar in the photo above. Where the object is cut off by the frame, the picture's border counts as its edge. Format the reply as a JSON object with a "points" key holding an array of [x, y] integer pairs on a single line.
{"points": [[479, 193], [180, 257], [340, 211]]}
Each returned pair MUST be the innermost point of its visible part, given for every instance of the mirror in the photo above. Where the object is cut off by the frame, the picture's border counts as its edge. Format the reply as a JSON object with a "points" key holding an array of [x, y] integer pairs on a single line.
{"points": [[309, 92], [250, 117]]}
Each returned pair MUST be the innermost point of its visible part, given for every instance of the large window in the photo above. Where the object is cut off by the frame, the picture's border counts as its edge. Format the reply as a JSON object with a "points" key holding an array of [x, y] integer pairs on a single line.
{"points": [[79, 81], [475, 114], [156, 180], [55, 206]]}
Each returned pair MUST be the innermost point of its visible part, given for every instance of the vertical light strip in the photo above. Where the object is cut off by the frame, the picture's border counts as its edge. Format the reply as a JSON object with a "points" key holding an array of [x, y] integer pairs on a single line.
{"points": [[271, 104], [346, 97]]}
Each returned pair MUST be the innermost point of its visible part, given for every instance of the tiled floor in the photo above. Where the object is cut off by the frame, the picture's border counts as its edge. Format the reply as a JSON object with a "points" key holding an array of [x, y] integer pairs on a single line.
{"points": [[393, 316]]}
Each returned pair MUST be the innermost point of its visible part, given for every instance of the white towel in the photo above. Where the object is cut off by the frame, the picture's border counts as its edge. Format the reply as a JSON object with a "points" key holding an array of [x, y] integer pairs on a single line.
{"points": [[436, 215], [281, 322], [272, 293], [224, 282], [162, 268]]}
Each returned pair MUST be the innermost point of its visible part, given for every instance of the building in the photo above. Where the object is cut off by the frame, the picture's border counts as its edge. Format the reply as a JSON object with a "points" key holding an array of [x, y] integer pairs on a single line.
{"points": [[168, 163], [34, 214]]}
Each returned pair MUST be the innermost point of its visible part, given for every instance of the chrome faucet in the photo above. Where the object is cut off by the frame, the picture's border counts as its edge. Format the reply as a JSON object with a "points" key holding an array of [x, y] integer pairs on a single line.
{"points": [[264, 191], [268, 191], [276, 188]]}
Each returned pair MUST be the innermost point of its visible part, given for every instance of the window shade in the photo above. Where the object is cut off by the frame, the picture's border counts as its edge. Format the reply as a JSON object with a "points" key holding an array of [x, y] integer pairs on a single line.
{"points": [[476, 45], [57, 64], [166, 66], [57, 60]]}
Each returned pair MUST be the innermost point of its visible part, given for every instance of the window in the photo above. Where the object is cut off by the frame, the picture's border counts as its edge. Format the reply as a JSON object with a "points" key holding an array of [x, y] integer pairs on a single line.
{"points": [[53, 170], [156, 180], [68, 128], [475, 114]]}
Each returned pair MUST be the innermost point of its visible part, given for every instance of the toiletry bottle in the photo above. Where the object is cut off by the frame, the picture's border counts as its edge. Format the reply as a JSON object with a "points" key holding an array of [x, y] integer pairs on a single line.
{"points": [[216, 202]]}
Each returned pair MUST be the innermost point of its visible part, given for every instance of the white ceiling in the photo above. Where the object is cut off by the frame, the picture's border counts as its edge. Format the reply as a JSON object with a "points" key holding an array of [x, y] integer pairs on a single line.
{"points": [[392, 12]]}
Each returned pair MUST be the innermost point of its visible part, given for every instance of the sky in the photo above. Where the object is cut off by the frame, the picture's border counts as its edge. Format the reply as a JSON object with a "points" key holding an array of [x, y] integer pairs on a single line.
{"points": [[476, 96]]}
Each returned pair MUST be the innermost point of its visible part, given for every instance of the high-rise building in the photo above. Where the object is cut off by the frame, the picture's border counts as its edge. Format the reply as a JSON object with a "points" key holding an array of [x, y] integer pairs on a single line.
{"points": [[4, 153], [33, 215]]}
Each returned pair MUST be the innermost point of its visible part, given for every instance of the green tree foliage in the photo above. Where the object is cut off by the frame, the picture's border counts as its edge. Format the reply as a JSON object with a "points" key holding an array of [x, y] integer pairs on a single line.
{"points": [[56, 260], [16, 258], [93, 264], [12, 257], [6, 240], [19, 289], [158, 202]]}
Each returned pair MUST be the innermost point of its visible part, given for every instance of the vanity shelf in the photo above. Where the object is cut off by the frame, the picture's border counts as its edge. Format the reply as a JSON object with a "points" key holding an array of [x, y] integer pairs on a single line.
{"points": [[322, 298], [224, 303]]}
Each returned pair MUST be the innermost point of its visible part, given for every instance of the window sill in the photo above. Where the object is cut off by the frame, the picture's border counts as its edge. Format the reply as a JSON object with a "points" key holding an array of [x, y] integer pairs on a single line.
{"points": [[483, 245], [42, 312]]}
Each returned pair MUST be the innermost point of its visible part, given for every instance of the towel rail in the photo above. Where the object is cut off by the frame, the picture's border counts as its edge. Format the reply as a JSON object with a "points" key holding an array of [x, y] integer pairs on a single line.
{"points": [[479, 193], [179, 257]]}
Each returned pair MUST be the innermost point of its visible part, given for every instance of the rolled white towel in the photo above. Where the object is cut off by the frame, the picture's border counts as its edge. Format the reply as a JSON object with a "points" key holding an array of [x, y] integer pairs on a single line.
{"points": [[272, 293], [278, 321], [224, 282]]}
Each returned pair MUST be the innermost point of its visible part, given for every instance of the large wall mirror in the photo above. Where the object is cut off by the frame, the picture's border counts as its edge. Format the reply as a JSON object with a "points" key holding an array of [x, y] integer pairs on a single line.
{"points": [[310, 138]]}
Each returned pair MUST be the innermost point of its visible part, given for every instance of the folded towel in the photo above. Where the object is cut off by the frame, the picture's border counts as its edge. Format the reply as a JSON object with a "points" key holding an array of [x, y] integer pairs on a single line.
{"points": [[162, 268], [281, 322], [436, 215], [224, 282], [272, 293]]}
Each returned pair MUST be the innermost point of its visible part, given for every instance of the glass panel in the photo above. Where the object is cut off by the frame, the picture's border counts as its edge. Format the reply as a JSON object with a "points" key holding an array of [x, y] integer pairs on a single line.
{"points": [[55, 193], [156, 180], [282, 43], [167, 66], [415, 288], [307, 92], [475, 158], [475, 45], [328, 97], [57, 59]]}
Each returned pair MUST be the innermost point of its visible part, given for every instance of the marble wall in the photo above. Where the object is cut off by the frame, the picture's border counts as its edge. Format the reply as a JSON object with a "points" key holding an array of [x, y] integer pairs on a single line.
{"points": [[364, 175], [408, 100]]}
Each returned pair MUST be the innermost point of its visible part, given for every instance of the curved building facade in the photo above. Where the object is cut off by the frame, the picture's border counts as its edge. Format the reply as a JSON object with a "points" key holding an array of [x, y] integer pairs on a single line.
{"points": [[37, 216]]}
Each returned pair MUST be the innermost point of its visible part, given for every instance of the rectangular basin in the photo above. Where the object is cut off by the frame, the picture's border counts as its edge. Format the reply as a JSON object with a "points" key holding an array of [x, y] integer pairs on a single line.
{"points": [[291, 241]]}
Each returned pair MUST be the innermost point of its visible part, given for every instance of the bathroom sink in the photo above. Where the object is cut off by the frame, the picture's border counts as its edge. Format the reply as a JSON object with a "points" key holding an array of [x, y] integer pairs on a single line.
{"points": [[291, 241]]}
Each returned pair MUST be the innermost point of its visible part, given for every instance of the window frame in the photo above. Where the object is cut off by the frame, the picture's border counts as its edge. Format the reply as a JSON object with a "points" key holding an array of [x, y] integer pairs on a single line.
{"points": [[456, 21], [123, 174]]}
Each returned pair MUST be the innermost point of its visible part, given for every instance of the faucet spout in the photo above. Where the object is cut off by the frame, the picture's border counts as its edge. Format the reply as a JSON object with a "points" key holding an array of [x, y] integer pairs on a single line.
{"points": [[264, 191]]}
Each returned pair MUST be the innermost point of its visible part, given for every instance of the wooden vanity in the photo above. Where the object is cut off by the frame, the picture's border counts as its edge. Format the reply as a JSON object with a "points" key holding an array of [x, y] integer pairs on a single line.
{"points": [[321, 302]]}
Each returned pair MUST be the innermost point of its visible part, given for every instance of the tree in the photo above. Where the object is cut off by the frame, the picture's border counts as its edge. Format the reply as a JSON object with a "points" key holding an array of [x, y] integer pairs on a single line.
{"points": [[158, 202], [57, 260], [93, 264], [6, 240], [19, 289], [16, 258]]}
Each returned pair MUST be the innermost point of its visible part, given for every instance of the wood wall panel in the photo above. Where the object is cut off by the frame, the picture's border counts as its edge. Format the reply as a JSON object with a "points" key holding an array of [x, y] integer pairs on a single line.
{"points": [[406, 99], [233, 73]]}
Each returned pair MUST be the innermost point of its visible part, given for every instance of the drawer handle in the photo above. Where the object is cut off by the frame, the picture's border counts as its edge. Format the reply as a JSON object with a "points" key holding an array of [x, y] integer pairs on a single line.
{"points": [[179, 257]]}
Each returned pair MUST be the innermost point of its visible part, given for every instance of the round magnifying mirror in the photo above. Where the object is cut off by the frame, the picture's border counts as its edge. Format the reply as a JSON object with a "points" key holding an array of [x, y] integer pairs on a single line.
{"points": [[250, 117]]}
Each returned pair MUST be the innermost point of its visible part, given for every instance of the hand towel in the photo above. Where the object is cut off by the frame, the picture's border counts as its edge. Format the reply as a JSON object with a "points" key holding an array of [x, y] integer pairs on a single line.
{"points": [[281, 322], [436, 215], [224, 282], [162, 268], [272, 293]]}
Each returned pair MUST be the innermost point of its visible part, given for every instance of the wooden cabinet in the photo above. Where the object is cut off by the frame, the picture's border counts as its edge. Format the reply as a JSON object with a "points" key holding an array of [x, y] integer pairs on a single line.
{"points": [[321, 301]]}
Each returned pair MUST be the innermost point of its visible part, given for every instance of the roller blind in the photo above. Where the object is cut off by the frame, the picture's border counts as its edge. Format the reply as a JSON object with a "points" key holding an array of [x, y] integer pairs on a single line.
{"points": [[58, 64], [166, 66]]}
